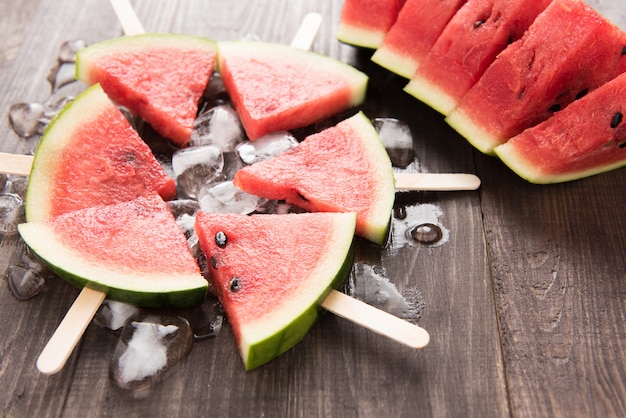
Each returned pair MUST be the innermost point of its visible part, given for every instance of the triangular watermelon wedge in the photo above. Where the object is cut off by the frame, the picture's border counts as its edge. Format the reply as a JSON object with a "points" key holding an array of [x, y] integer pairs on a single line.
{"points": [[277, 87], [586, 138], [89, 155], [159, 77], [271, 272], [344, 168], [134, 251]]}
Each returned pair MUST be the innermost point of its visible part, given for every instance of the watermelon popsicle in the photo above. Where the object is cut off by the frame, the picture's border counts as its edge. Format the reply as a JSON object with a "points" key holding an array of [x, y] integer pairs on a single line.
{"points": [[94, 298]]}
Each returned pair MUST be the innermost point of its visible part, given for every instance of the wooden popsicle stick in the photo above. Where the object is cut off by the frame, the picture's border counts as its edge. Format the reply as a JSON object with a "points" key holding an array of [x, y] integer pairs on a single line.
{"points": [[70, 330], [307, 31], [127, 17], [376, 320], [15, 163], [436, 181]]}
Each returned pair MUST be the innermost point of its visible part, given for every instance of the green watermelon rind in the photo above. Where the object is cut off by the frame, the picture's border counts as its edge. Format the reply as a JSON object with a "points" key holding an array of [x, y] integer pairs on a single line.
{"points": [[396, 62], [465, 126], [530, 172], [278, 343], [167, 289], [283, 328], [85, 57], [56, 136], [431, 94]]}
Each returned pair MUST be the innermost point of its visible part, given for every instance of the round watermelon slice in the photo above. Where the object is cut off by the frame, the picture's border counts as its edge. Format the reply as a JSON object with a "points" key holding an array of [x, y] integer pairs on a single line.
{"points": [[271, 272], [133, 251], [344, 168], [277, 87], [89, 155], [159, 77]]}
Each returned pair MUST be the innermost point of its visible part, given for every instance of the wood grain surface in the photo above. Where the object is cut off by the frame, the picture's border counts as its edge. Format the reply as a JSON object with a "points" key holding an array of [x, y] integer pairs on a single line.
{"points": [[525, 303]]}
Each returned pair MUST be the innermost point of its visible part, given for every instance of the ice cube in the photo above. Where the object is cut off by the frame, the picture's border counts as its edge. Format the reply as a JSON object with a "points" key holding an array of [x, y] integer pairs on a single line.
{"points": [[218, 126], [224, 197], [266, 147], [196, 168], [25, 283], [147, 348], [27, 119], [397, 138], [68, 50], [114, 315], [61, 75], [12, 213], [205, 320], [183, 206]]}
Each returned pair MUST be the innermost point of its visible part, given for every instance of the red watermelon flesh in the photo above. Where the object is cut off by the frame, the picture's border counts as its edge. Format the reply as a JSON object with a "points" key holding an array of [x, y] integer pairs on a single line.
{"points": [[587, 137], [344, 168], [568, 51], [90, 155], [467, 46], [271, 272], [276, 87], [408, 41], [158, 77], [134, 251], [365, 22]]}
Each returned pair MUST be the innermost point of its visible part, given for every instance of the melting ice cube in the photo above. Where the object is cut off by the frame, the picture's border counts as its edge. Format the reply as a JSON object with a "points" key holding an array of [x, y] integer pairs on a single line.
{"points": [[218, 126], [148, 347], [114, 315], [266, 147], [397, 139], [27, 119], [224, 197], [196, 168], [25, 283], [68, 50], [12, 213]]}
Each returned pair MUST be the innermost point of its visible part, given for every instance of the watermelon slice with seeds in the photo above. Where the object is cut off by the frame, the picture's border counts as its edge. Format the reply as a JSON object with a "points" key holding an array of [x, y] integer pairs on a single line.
{"points": [[364, 23], [276, 87], [408, 41], [160, 77], [467, 46], [586, 138], [344, 168], [271, 272], [567, 52], [134, 251], [89, 155]]}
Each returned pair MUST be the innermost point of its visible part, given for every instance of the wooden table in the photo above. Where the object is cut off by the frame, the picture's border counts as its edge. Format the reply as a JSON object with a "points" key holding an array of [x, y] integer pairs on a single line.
{"points": [[525, 302]]}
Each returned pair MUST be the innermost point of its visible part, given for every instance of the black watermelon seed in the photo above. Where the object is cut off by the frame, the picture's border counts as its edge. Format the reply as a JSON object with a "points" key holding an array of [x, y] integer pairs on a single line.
{"points": [[478, 23], [582, 94], [213, 262], [221, 239], [555, 107], [622, 145], [624, 50], [235, 284], [301, 196], [617, 119]]}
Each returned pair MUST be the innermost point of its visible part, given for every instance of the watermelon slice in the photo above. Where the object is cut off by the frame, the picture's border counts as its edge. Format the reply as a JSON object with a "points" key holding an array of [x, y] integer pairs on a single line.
{"points": [[467, 46], [90, 155], [408, 41], [156, 76], [271, 272], [568, 51], [344, 168], [134, 251], [365, 23], [276, 87], [586, 138]]}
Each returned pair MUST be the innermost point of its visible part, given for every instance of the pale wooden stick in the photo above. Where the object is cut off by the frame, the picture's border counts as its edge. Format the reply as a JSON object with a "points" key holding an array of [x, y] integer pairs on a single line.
{"points": [[376, 320], [127, 17], [307, 31], [436, 181], [70, 330], [15, 163]]}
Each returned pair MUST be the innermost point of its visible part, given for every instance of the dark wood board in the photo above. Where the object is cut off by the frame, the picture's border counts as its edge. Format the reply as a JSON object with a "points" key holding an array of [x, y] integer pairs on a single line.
{"points": [[525, 302]]}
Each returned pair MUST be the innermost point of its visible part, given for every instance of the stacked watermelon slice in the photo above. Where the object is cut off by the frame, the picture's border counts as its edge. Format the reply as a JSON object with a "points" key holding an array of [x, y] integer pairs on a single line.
{"points": [[515, 78]]}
